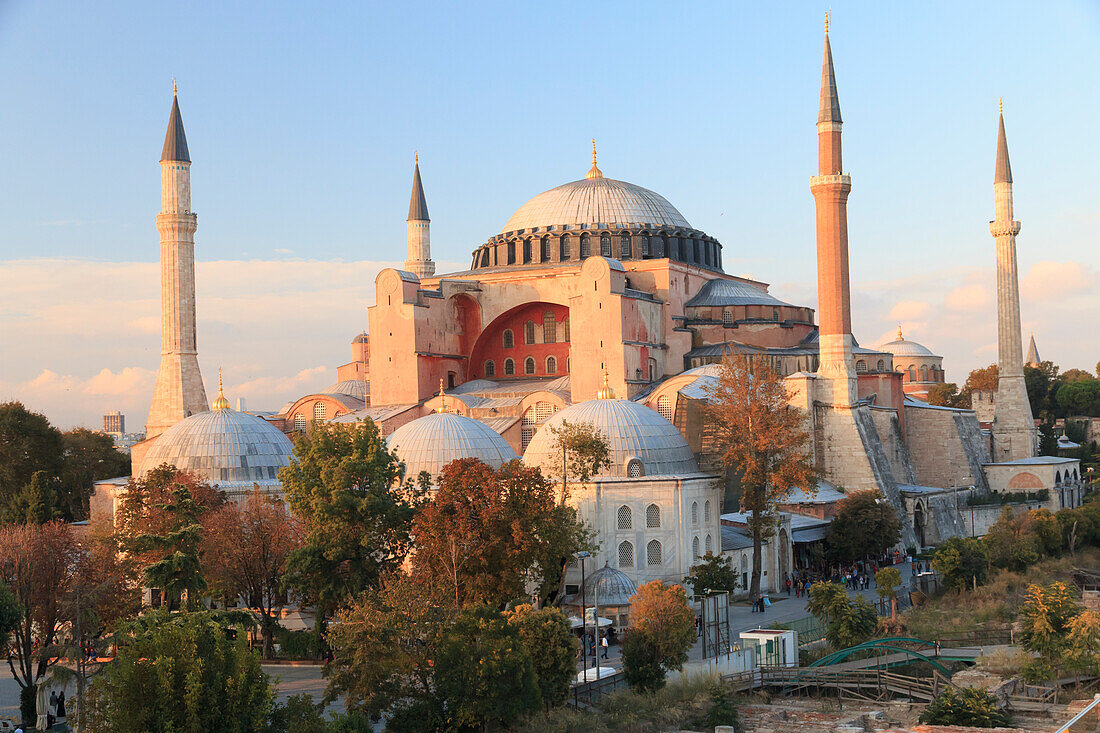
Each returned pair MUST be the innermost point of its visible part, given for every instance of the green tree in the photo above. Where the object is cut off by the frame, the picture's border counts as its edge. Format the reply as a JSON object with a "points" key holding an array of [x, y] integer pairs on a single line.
{"points": [[755, 434], [847, 621], [179, 569], [344, 485], [36, 503], [1048, 535], [642, 665], [887, 582], [1080, 398], [179, 673], [969, 706], [1045, 618], [28, 444], [1040, 381], [714, 573], [961, 561], [864, 526], [584, 451], [1070, 376], [947, 395], [87, 457], [1048, 441], [1011, 541], [553, 648]]}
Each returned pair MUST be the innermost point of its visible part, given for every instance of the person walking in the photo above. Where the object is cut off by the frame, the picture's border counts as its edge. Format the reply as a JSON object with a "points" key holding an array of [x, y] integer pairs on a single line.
{"points": [[60, 708], [603, 643]]}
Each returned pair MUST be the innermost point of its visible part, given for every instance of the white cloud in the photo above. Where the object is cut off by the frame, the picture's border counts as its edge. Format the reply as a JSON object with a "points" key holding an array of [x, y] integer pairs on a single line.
{"points": [[1054, 281]]}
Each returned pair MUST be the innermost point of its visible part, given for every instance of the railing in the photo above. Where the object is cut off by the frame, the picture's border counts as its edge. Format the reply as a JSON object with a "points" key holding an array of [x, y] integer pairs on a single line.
{"points": [[854, 683], [977, 637], [591, 693]]}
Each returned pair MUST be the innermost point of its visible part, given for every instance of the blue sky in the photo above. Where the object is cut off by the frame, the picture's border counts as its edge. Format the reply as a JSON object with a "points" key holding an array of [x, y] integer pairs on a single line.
{"points": [[302, 120]]}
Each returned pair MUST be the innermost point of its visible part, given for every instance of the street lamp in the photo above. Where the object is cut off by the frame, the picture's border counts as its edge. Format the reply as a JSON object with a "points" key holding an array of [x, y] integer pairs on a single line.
{"points": [[582, 556]]}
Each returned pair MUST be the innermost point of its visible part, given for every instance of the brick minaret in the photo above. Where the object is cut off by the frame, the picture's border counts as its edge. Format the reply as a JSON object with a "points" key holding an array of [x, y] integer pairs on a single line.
{"points": [[419, 230], [179, 391], [830, 188], [1013, 427]]}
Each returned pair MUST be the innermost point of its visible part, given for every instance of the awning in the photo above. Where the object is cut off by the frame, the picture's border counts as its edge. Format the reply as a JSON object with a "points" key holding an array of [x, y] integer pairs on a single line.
{"points": [[803, 536]]}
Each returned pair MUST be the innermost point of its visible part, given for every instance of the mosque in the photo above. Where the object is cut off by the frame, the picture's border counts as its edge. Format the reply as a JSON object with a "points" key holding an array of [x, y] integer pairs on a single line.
{"points": [[599, 302]]}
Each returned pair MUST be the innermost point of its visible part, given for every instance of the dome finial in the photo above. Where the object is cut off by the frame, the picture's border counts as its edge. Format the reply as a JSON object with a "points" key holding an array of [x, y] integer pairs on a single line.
{"points": [[826, 22], [594, 172], [605, 392], [900, 337], [220, 403], [174, 89], [1001, 105], [442, 397]]}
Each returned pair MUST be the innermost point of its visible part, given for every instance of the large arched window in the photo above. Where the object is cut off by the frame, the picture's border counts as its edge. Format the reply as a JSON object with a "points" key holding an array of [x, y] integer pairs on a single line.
{"points": [[544, 249], [526, 250], [549, 328], [626, 555], [299, 421], [551, 365], [586, 246], [529, 365], [881, 365], [509, 338], [861, 366], [490, 368], [695, 547], [624, 245], [653, 516], [509, 367], [653, 553], [924, 373], [563, 248], [529, 332], [694, 513], [605, 245], [625, 518], [706, 511], [319, 410], [664, 407]]}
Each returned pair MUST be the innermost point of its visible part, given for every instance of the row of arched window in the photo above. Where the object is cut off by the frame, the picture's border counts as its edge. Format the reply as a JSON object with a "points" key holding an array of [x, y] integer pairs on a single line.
{"points": [[927, 373], [695, 546], [1068, 477], [320, 412], [549, 332], [528, 366], [861, 365], [534, 250], [625, 517], [695, 513], [653, 554]]}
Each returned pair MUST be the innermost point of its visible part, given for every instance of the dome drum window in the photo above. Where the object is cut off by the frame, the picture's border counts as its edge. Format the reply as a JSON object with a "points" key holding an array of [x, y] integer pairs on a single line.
{"points": [[509, 339], [586, 246], [509, 367], [319, 410], [529, 365], [299, 421], [605, 245], [634, 468], [490, 368]]}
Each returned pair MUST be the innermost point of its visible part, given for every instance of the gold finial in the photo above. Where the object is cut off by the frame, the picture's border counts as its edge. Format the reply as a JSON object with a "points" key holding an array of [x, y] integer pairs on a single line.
{"points": [[442, 397], [220, 403], [1001, 106], [900, 338], [826, 21], [416, 157], [174, 86], [605, 392], [594, 172]]}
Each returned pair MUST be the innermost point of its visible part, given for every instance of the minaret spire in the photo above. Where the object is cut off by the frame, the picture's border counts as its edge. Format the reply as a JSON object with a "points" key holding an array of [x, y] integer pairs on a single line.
{"points": [[179, 390], [1013, 426], [418, 226]]}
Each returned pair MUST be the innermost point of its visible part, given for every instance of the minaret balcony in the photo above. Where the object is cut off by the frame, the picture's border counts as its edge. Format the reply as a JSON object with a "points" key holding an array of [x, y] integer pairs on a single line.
{"points": [[1004, 228], [842, 179]]}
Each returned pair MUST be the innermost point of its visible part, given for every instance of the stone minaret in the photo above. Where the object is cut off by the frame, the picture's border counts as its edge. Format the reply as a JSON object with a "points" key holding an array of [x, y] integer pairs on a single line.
{"points": [[1013, 427], [179, 391], [419, 230], [830, 188]]}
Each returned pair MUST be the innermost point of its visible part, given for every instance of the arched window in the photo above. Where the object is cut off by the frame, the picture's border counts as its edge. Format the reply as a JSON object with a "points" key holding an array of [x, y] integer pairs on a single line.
{"points": [[727, 317], [881, 365], [624, 245], [605, 245], [706, 512], [299, 421], [664, 407], [549, 328], [586, 246], [694, 513], [526, 250], [509, 367], [775, 314], [861, 366], [490, 368], [645, 245], [529, 332], [565, 328], [658, 248], [924, 373], [695, 547], [544, 249], [710, 545], [634, 469], [625, 517], [563, 247], [543, 410], [319, 410], [653, 516], [529, 365], [509, 338], [551, 365], [626, 555], [912, 374], [512, 253], [1057, 477], [653, 553]]}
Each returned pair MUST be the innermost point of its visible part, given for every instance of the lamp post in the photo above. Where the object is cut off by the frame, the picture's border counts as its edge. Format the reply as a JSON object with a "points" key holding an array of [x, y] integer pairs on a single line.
{"points": [[582, 556]]}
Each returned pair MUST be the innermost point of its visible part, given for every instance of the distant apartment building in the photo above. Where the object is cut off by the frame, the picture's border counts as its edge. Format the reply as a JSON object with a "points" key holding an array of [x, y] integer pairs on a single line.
{"points": [[114, 422]]}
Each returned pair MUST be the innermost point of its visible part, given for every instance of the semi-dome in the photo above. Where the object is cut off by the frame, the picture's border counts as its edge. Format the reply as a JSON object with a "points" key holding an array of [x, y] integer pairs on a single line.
{"points": [[232, 450], [642, 442], [351, 387], [609, 587], [595, 201], [904, 347], [431, 442]]}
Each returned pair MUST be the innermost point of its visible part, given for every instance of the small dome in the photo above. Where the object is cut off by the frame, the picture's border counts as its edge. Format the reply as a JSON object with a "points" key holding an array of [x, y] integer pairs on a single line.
{"points": [[593, 201], [352, 387], [636, 434], [230, 449], [609, 587], [431, 442], [903, 347], [362, 338]]}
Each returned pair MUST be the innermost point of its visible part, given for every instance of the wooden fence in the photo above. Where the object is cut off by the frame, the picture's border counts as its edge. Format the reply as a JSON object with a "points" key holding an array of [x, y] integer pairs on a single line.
{"points": [[858, 684]]}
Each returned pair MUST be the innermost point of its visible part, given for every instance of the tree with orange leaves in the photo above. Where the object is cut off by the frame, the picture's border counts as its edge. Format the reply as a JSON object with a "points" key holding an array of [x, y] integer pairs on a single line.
{"points": [[245, 548], [662, 630], [755, 434]]}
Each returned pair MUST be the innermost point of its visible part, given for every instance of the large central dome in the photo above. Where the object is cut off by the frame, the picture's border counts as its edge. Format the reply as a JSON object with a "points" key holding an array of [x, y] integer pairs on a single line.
{"points": [[596, 201]]}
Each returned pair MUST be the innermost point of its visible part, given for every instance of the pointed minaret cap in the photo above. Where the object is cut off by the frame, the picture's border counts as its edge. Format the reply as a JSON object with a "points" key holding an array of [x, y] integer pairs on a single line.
{"points": [[418, 205], [829, 108], [175, 141], [1004, 169], [594, 172], [1033, 354], [605, 392], [220, 402]]}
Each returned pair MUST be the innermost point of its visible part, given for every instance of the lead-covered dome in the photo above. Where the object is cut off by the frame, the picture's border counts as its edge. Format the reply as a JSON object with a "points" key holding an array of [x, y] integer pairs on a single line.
{"points": [[231, 450], [350, 387], [594, 202], [642, 442], [431, 442], [901, 346], [609, 587]]}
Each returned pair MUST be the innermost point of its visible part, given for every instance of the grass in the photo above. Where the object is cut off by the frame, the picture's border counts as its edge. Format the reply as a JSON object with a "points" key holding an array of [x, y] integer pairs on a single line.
{"points": [[993, 604]]}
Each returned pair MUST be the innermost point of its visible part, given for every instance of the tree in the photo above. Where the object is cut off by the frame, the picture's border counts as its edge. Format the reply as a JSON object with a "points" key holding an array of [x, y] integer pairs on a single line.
{"points": [[1083, 642], [36, 503], [1041, 382], [1011, 542], [1080, 398], [87, 457], [1048, 441], [755, 433], [344, 485], [1047, 533], [961, 561], [179, 672], [549, 640], [864, 526], [245, 550], [37, 563], [1045, 618], [28, 443], [178, 569], [887, 582], [847, 622], [1070, 376], [968, 706], [662, 612], [714, 573], [584, 452], [486, 534], [981, 379], [947, 395], [642, 662]]}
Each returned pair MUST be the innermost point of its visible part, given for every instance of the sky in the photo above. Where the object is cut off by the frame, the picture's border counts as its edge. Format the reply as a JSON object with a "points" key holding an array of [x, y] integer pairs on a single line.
{"points": [[302, 120]]}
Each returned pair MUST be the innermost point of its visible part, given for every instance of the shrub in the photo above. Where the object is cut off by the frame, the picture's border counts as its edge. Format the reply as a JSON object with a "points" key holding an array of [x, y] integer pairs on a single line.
{"points": [[642, 662], [968, 706]]}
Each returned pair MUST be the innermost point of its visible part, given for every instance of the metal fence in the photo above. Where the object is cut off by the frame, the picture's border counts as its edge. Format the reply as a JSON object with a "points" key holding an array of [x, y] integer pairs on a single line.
{"points": [[591, 693]]}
